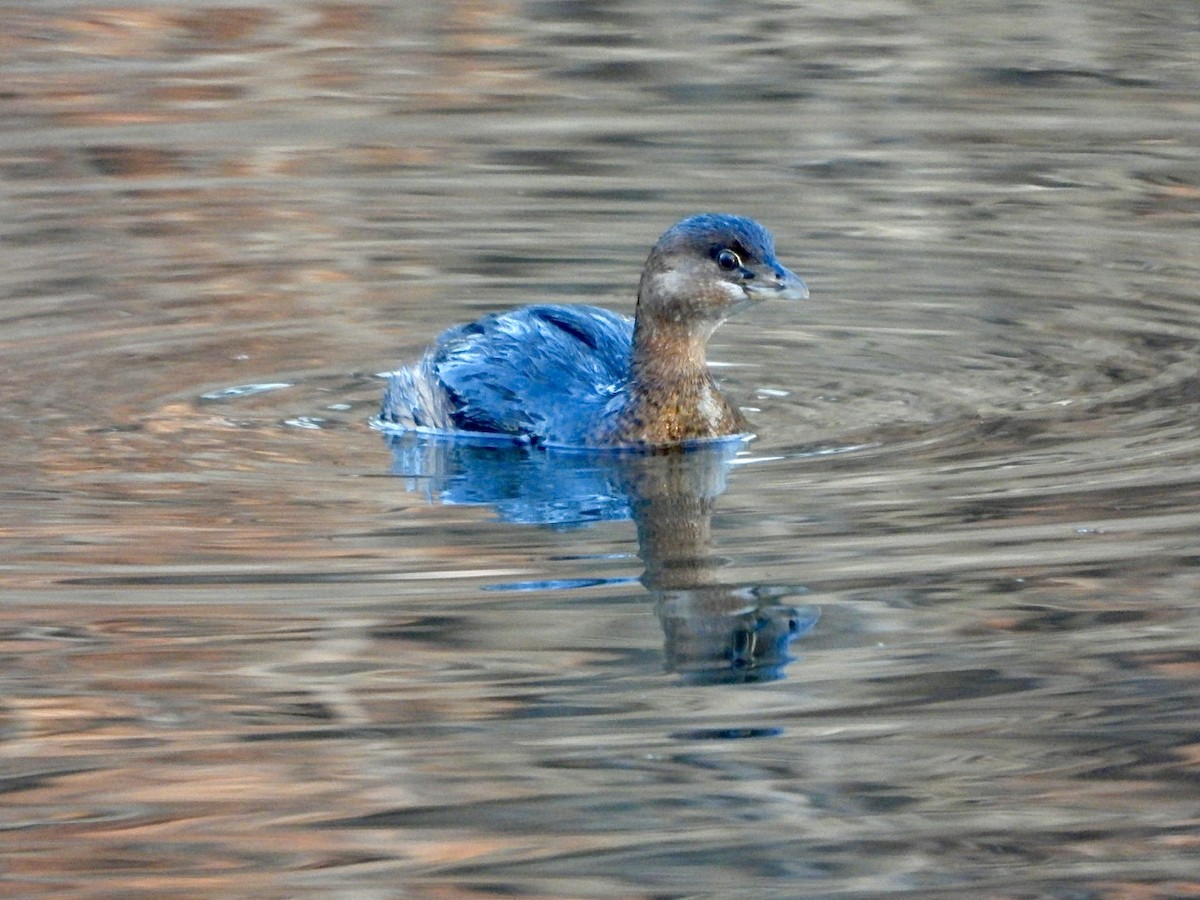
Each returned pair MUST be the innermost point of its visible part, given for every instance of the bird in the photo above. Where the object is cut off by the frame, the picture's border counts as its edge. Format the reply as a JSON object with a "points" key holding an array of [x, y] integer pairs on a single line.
{"points": [[587, 377]]}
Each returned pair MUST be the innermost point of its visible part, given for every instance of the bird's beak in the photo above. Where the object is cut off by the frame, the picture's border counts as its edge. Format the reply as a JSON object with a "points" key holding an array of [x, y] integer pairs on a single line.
{"points": [[777, 283]]}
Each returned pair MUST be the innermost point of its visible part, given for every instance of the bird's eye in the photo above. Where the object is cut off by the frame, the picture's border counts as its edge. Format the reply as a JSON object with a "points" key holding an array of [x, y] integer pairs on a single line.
{"points": [[728, 260]]}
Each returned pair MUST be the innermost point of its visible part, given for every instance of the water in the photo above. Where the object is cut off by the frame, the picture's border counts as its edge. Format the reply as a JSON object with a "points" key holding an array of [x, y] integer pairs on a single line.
{"points": [[931, 634]]}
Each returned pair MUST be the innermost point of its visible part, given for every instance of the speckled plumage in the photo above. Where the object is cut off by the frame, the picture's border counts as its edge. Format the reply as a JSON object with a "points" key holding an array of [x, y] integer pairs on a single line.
{"points": [[587, 377]]}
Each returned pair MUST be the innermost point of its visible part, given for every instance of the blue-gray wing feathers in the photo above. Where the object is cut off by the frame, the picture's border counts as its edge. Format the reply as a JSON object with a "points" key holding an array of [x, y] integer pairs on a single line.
{"points": [[547, 373]]}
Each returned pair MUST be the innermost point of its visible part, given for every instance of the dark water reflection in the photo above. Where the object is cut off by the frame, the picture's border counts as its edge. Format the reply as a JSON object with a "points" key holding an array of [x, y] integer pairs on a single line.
{"points": [[241, 656], [715, 632]]}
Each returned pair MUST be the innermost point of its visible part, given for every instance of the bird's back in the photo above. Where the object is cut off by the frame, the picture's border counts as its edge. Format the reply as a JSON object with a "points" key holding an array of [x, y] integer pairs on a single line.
{"points": [[547, 373]]}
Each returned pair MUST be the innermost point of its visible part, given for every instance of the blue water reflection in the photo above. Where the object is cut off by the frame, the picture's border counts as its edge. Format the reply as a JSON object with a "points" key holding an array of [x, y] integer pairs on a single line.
{"points": [[714, 631]]}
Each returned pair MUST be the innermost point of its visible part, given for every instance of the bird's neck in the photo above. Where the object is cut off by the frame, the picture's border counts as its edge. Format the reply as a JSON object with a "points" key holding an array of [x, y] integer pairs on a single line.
{"points": [[672, 395], [668, 351]]}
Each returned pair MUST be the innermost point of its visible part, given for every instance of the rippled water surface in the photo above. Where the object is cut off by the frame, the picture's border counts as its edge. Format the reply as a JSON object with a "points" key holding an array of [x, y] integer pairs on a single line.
{"points": [[933, 633]]}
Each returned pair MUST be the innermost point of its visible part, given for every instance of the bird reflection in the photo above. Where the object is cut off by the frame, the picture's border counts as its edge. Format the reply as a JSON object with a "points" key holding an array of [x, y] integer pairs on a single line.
{"points": [[715, 632]]}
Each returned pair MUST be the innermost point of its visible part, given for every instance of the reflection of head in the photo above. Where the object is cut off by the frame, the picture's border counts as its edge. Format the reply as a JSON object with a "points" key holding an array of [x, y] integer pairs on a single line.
{"points": [[724, 634]]}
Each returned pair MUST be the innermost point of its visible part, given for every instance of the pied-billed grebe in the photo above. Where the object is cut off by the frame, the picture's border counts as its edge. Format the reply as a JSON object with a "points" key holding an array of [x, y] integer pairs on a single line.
{"points": [[580, 376]]}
